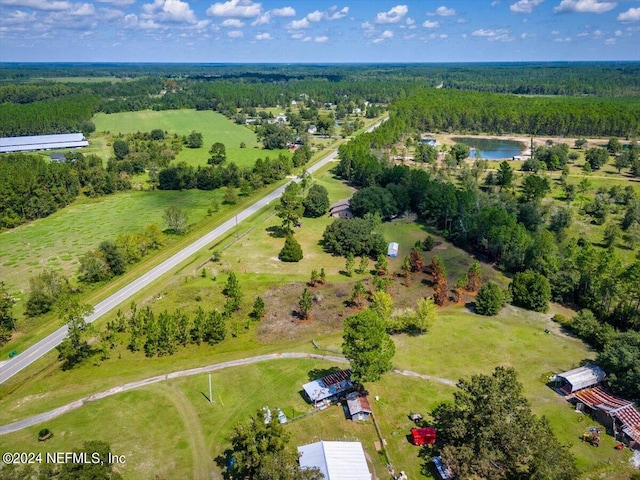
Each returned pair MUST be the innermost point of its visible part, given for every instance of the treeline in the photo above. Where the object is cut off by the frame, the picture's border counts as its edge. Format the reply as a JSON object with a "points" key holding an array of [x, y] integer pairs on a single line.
{"points": [[31, 187], [159, 334], [450, 110], [111, 258], [537, 78], [54, 115]]}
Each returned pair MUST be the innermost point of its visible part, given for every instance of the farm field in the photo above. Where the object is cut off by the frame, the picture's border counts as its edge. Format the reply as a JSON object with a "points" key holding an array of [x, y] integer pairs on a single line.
{"points": [[214, 127]]}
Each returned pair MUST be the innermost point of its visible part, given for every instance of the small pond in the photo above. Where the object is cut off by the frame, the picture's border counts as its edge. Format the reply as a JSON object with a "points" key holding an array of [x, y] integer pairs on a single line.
{"points": [[492, 148]]}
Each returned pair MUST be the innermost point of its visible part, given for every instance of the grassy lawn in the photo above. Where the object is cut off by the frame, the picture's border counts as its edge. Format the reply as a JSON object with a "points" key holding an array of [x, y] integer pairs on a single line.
{"points": [[190, 424], [214, 127]]}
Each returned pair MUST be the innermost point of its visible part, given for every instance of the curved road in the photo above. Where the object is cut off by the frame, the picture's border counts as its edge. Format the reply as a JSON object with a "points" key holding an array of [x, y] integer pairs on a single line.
{"points": [[42, 417], [33, 353]]}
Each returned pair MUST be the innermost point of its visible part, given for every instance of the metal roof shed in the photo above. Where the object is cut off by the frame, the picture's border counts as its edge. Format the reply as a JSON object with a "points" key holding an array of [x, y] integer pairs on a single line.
{"points": [[336, 460], [579, 378]]}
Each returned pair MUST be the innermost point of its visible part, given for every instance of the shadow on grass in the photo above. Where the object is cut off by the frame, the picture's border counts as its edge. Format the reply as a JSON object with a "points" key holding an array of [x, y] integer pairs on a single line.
{"points": [[276, 231]]}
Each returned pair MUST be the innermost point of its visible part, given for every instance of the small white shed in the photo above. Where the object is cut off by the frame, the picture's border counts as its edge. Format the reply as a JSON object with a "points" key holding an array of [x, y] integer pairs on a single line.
{"points": [[392, 251]]}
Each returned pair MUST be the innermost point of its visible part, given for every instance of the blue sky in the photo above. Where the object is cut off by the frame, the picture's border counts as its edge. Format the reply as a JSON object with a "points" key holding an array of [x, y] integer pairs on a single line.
{"points": [[318, 31]]}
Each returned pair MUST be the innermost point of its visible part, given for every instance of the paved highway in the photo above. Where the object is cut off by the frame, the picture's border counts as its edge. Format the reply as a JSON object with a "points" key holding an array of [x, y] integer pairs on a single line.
{"points": [[33, 353]]}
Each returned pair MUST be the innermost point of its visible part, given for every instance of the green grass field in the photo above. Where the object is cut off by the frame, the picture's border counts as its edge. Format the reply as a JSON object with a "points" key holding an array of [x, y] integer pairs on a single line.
{"points": [[179, 418], [214, 127]]}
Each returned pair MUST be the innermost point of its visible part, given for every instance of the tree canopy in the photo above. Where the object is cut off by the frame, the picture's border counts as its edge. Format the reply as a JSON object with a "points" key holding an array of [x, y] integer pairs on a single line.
{"points": [[367, 345], [490, 432]]}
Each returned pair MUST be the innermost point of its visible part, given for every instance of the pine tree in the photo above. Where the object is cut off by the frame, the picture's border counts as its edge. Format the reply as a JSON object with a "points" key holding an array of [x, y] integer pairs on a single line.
{"points": [[305, 304], [259, 309], [233, 293], [358, 295], [474, 277], [363, 266], [291, 251], [381, 266], [349, 264]]}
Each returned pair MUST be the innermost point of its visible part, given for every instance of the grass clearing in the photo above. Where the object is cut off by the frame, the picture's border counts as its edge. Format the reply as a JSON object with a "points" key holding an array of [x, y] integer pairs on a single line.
{"points": [[214, 127]]}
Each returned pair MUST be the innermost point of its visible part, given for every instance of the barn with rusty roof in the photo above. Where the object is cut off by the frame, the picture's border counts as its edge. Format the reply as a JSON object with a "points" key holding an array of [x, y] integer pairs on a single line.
{"points": [[329, 388]]}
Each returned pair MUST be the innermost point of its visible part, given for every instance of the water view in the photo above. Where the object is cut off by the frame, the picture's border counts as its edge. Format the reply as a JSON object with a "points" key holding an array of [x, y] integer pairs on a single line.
{"points": [[492, 148]]}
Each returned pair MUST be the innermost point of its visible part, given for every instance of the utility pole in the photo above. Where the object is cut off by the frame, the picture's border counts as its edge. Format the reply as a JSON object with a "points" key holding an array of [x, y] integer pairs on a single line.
{"points": [[210, 395]]}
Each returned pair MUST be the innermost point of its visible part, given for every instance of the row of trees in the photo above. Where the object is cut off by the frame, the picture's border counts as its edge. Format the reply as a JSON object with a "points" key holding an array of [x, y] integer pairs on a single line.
{"points": [[264, 172], [451, 110], [111, 258]]}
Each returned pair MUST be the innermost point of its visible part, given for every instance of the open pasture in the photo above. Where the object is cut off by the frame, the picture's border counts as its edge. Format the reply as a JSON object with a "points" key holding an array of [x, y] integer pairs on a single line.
{"points": [[214, 127]]}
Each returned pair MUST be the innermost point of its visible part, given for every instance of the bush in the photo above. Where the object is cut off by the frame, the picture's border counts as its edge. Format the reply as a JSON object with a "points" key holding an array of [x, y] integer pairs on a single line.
{"points": [[292, 251], [490, 299], [531, 290]]}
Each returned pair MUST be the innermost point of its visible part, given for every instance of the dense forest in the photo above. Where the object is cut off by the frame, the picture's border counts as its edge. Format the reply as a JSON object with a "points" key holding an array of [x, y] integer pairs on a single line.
{"points": [[31, 104]]}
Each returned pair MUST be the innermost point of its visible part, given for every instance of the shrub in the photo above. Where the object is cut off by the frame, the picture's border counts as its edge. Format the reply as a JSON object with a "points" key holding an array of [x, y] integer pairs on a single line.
{"points": [[292, 251], [531, 290], [490, 299]]}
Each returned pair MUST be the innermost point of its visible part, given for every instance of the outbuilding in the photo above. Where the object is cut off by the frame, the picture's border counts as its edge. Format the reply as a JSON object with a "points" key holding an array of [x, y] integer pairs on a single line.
{"points": [[328, 388], [33, 143], [579, 378], [359, 407], [336, 460], [392, 251]]}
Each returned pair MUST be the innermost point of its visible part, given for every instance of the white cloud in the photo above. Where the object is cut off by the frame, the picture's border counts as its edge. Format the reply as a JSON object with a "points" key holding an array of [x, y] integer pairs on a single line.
{"points": [[298, 24], [392, 16], [631, 15], [410, 21], [298, 36], [334, 14], [525, 6], [368, 29], [331, 14], [235, 34], [118, 3], [321, 39], [387, 34], [283, 12], [130, 20], [45, 5], [263, 36], [315, 16], [170, 11], [443, 12], [235, 8], [584, 6], [610, 41], [83, 10], [500, 34], [429, 24], [618, 33], [495, 3], [307, 39], [232, 23], [563, 40]]}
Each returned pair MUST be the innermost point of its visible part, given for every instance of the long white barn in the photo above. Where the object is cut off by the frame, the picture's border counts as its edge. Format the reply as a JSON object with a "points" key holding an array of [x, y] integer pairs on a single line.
{"points": [[42, 142]]}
